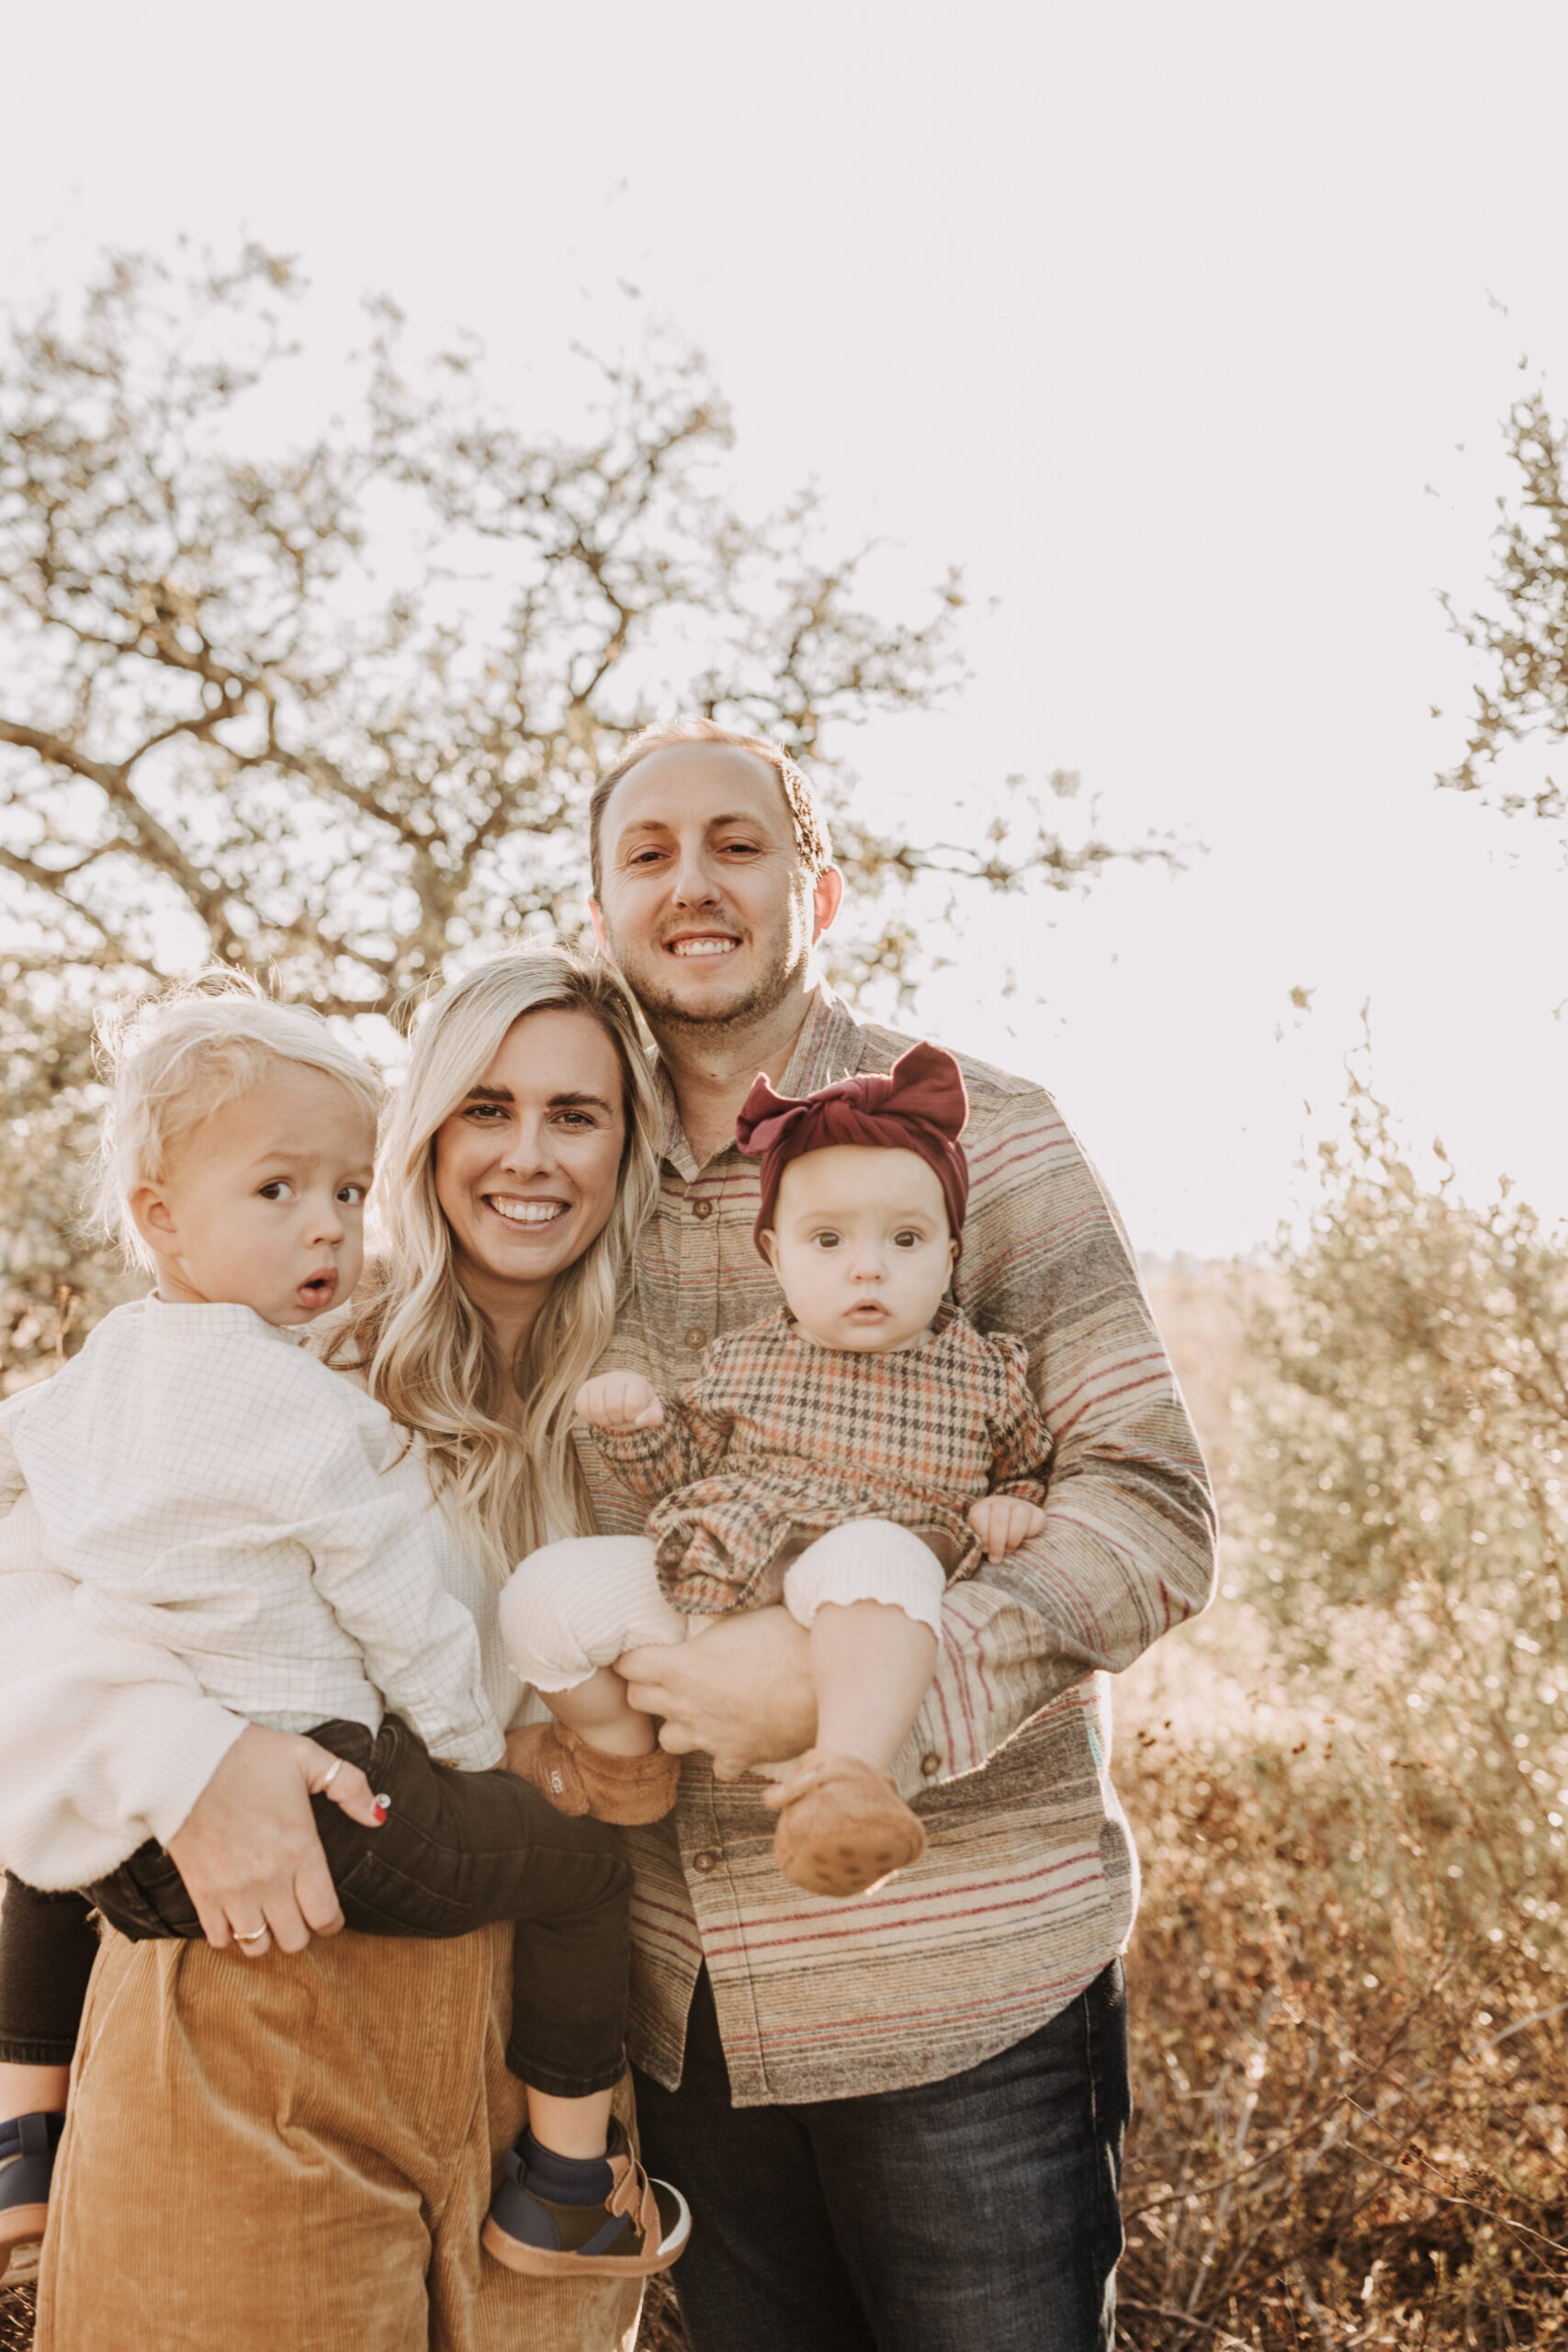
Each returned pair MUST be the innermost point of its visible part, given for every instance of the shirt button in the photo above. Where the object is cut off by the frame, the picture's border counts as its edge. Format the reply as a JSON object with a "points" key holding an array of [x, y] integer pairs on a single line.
{"points": [[695, 1338], [931, 1764], [704, 1862], [702, 1208]]}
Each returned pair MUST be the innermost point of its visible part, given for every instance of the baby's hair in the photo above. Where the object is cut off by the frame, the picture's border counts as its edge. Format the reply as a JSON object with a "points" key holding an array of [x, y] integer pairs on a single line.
{"points": [[173, 1061]]}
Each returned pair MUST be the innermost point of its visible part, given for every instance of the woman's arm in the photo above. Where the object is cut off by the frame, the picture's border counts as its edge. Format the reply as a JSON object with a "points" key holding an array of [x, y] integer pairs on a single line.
{"points": [[105, 1744]]}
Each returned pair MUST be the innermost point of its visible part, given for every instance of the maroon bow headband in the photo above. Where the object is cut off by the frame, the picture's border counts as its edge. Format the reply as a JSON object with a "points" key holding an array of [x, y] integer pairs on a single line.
{"points": [[919, 1106]]}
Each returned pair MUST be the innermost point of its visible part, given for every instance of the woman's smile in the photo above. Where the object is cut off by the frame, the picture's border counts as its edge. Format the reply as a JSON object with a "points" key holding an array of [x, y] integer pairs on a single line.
{"points": [[524, 1212]]}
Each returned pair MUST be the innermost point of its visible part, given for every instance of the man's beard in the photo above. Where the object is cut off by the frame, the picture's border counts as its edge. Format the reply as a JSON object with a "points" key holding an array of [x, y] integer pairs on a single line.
{"points": [[749, 1010], [663, 1009]]}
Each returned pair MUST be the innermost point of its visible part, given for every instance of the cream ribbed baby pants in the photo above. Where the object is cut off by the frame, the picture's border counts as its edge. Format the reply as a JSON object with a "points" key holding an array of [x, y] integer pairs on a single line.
{"points": [[575, 1605]]}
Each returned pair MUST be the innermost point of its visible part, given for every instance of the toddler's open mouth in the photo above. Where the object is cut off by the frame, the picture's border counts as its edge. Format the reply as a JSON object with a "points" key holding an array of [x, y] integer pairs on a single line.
{"points": [[319, 1292]]}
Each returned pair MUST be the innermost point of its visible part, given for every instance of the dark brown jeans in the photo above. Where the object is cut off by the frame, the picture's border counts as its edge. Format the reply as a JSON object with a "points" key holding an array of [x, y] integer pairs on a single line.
{"points": [[458, 1851]]}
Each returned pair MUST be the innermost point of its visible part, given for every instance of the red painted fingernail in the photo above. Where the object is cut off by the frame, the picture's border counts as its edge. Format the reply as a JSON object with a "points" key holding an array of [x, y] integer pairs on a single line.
{"points": [[381, 1815]]}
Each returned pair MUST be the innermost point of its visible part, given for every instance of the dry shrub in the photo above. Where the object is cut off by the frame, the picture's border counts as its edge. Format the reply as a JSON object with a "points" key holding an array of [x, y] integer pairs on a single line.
{"points": [[1350, 1972], [660, 2329], [1352, 2115], [15, 2318]]}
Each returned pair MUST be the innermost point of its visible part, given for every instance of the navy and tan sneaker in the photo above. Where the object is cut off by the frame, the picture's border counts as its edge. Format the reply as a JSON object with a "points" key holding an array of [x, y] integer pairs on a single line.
{"points": [[632, 2228], [28, 2144]]}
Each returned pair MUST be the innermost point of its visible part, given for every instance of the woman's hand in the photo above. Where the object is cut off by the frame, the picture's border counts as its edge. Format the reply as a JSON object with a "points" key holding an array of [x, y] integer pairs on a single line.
{"points": [[248, 1850], [741, 1691]]}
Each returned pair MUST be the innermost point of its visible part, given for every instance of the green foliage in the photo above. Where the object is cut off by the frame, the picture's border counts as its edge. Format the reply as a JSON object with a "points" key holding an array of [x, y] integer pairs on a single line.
{"points": [[1349, 1980], [1408, 1514]]}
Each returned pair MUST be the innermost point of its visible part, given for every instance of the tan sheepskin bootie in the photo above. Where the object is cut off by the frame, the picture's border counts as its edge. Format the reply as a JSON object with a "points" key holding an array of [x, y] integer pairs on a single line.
{"points": [[577, 1779], [843, 1827]]}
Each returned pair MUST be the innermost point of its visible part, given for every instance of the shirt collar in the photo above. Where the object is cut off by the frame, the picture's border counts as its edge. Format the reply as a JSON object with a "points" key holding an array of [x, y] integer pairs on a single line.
{"points": [[218, 1318], [830, 1047]]}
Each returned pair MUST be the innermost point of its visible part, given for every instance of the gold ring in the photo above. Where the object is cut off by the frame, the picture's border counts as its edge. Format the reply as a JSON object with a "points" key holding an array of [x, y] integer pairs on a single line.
{"points": [[253, 1938], [332, 1775]]}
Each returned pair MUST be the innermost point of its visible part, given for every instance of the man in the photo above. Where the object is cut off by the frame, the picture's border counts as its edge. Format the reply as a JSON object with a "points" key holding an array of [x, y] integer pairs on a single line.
{"points": [[898, 2120]]}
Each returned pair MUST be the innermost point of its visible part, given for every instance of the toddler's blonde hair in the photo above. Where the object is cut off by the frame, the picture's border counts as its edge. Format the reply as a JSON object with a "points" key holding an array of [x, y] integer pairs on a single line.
{"points": [[175, 1061]]}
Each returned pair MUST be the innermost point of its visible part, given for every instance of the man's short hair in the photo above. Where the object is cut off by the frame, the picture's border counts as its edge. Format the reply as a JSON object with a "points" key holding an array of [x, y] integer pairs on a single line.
{"points": [[811, 837]]}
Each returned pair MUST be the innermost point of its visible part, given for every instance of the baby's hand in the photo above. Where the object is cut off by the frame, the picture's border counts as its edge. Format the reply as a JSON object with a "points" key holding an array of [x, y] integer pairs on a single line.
{"points": [[619, 1401], [1002, 1522]]}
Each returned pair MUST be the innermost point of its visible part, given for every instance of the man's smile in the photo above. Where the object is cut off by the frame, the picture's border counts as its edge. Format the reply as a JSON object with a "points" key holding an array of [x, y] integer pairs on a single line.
{"points": [[707, 943]]}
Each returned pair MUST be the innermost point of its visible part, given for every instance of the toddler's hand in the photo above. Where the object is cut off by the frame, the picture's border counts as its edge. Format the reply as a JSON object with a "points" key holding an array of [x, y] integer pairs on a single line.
{"points": [[1002, 1522], [619, 1401]]}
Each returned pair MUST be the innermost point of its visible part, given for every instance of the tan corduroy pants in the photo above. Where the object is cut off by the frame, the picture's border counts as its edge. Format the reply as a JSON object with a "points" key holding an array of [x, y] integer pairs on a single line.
{"points": [[295, 2154]]}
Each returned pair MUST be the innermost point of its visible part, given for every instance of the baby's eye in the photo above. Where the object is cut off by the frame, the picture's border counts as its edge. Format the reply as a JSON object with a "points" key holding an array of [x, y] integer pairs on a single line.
{"points": [[352, 1195], [825, 1240], [280, 1189], [907, 1239]]}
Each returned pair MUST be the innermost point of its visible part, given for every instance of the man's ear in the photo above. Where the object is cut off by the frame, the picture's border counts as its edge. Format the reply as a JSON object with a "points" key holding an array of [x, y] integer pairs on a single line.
{"points": [[826, 900], [600, 933], [768, 1242], [152, 1218]]}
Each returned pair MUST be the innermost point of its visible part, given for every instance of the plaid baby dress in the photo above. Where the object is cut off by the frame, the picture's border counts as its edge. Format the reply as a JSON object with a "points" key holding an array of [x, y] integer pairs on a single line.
{"points": [[778, 1438]]}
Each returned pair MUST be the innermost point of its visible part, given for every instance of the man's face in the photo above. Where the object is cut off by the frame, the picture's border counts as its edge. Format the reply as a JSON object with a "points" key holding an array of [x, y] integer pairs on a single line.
{"points": [[705, 902]]}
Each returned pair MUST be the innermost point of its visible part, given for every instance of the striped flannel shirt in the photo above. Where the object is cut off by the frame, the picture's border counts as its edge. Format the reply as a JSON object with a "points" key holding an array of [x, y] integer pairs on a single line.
{"points": [[780, 1439], [1029, 1882]]}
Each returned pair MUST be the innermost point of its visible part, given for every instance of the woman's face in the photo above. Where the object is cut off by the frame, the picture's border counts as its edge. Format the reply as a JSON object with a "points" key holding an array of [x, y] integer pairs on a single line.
{"points": [[527, 1167]]}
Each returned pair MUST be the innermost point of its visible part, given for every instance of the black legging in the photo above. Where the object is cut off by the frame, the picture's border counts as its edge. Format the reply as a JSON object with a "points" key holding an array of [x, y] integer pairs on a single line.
{"points": [[46, 1957], [458, 1851]]}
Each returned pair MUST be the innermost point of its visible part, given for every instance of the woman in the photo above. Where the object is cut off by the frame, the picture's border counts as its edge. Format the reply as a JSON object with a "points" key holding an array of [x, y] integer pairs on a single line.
{"points": [[298, 2157]]}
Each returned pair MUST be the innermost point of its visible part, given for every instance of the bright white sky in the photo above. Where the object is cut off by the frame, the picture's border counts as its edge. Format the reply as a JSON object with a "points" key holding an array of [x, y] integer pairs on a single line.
{"points": [[1180, 328]]}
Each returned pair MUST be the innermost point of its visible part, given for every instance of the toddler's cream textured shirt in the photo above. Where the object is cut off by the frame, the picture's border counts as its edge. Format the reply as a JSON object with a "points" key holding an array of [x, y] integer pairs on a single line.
{"points": [[215, 1491]]}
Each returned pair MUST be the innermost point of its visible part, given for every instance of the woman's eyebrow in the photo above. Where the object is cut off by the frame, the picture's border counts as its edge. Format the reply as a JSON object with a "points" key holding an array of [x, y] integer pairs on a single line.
{"points": [[489, 1094], [580, 1101]]}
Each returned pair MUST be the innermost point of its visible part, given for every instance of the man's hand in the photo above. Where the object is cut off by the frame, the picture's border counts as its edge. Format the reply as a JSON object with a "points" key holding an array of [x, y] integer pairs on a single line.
{"points": [[248, 1850], [1002, 1522], [741, 1691], [619, 1401]]}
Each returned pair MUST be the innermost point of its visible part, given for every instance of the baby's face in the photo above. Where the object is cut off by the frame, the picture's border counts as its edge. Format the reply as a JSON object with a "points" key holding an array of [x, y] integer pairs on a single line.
{"points": [[264, 1204], [860, 1245]]}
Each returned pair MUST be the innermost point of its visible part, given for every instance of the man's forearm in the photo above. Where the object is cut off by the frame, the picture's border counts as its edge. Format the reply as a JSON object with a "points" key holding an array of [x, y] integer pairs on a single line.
{"points": [[1113, 1570]]}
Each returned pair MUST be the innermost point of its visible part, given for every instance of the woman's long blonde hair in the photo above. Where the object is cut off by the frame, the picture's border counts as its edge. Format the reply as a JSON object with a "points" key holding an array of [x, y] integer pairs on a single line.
{"points": [[430, 1355]]}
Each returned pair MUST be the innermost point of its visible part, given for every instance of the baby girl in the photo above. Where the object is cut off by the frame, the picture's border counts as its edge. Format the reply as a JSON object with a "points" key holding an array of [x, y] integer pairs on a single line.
{"points": [[847, 1454]]}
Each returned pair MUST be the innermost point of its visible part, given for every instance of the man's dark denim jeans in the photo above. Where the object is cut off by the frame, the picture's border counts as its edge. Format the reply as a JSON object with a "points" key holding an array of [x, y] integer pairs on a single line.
{"points": [[977, 2214]]}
